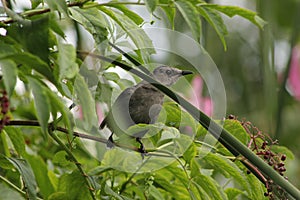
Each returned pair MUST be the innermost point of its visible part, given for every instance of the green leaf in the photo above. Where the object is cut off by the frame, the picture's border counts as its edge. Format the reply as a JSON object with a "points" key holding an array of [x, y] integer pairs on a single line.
{"points": [[32, 62], [35, 3], [155, 193], [27, 176], [283, 150], [176, 117], [40, 171], [33, 36], [191, 16], [59, 5], [129, 13], [190, 153], [210, 186], [9, 70], [60, 158], [257, 188], [112, 193], [74, 186], [136, 34], [233, 193], [93, 21], [16, 137], [111, 76], [58, 106], [151, 5], [235, 10], [41, 102], [55, 26], [86, 102], [174, 181], [237, 130], [4, 163], [227, 168], [66, 60], [170, 11], [9, 193], [216, 21]]}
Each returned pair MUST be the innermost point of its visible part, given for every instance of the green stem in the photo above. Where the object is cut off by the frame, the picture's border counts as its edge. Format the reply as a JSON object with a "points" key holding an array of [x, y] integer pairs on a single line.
{"points": [[78, 165]]}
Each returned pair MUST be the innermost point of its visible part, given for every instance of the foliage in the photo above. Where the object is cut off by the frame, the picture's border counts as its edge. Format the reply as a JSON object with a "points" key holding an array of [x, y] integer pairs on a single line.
{"points": [[42, 152]]}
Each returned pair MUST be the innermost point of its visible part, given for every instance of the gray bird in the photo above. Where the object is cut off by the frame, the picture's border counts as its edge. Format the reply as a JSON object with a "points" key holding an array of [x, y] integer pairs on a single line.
{"points": [[140, 103]]}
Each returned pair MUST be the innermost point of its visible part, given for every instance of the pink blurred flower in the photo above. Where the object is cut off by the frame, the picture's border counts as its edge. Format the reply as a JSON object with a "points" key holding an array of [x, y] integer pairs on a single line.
{"points": [[294, 74], [197, 99], [79, 113]]}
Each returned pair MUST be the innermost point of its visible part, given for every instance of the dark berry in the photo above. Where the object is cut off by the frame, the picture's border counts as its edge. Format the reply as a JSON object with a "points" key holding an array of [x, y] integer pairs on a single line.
{"points": [[283, 157], [266, 194], [271, 163]]}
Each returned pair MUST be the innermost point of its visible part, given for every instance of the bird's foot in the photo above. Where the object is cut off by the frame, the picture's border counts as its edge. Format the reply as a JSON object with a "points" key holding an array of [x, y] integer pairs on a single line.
{"points": [[141, 149]]}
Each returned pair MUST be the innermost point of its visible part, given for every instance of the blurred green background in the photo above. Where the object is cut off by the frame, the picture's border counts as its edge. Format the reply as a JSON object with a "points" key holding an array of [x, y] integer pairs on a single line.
{"points": [[255, 71]]}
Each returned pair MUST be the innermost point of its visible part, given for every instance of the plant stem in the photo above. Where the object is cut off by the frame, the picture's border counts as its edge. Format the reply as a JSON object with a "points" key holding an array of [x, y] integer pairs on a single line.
{"points": [[78, 165]]}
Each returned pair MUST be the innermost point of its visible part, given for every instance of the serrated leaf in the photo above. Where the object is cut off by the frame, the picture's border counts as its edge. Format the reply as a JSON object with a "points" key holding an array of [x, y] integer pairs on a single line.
{"points": [[69, 184], [136, 34], [40, 171], [66, 61], [191, 16], [86, 102], [227, 168], [93, 21], [9, 70], [237, 130], [151, 5], [41, 102], [233, 193], [129, 13], [257, 188], [235, 10], [16, 137], [27, 176], [216, 21], [210, 186]]}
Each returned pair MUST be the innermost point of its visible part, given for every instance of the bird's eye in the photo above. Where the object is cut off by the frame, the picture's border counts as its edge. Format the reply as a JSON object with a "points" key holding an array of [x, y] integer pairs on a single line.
{"points": [[168, 72]]}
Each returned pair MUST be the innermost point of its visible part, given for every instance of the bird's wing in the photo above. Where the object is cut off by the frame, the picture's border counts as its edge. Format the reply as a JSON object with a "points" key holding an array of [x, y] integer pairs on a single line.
{"points": [[120, 105]]}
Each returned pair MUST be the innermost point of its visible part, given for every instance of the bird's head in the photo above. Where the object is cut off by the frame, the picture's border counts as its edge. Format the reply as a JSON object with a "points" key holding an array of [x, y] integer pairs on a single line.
{"points": [[168, 75]]}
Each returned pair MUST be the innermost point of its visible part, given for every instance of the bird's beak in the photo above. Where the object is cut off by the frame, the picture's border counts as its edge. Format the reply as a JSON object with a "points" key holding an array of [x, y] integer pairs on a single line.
{"points": [[183, 73]]}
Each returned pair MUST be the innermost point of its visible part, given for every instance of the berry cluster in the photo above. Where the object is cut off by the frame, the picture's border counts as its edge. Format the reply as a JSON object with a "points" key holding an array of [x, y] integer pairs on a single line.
{"points": [[261, 144], [4, 107]]}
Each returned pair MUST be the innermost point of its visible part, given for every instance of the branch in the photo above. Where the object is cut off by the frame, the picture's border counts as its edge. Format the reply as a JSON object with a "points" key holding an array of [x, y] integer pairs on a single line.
{"points": [[41, 11]]}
